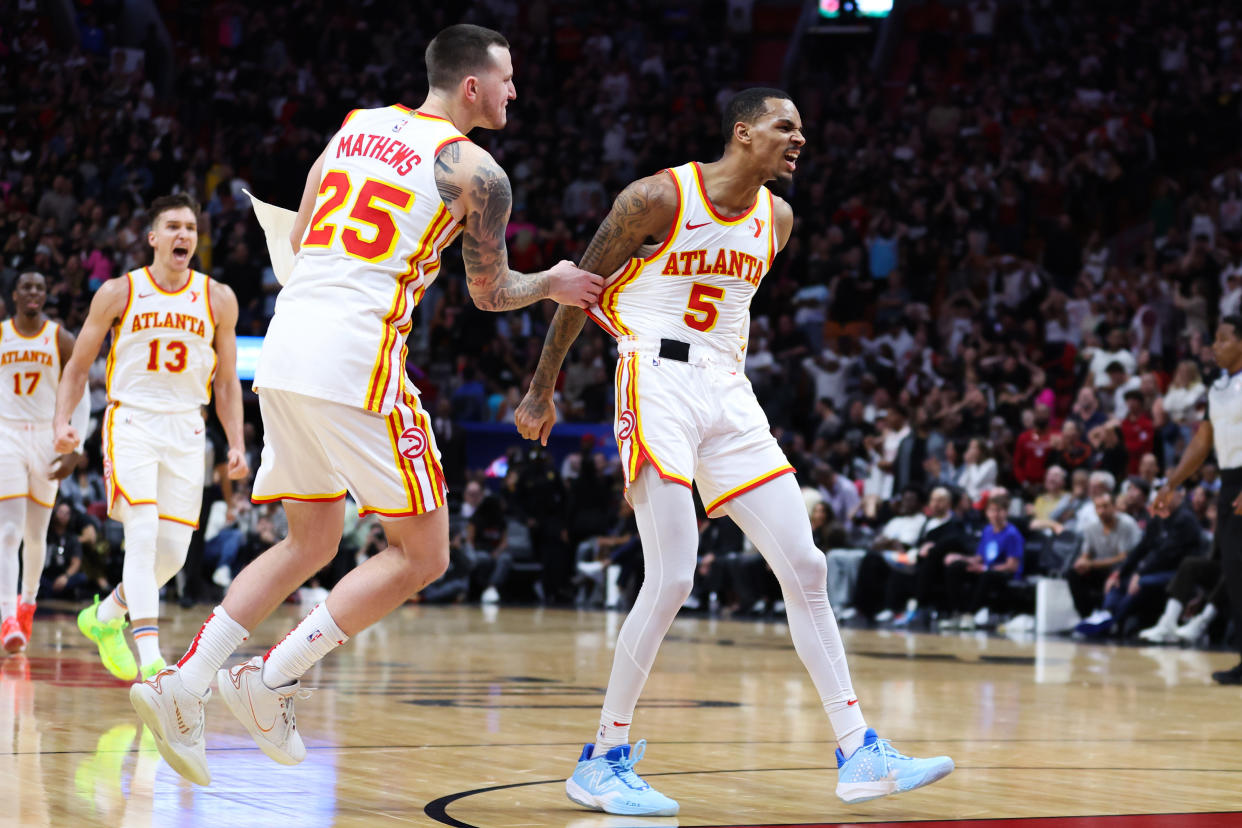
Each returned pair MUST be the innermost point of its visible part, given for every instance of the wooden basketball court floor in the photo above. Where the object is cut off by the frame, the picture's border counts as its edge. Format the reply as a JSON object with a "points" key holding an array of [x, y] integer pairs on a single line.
{"points": [[465, 716]]}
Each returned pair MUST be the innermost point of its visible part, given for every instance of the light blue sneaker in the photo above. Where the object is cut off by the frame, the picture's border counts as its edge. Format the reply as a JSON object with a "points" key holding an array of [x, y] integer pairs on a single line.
{"points": [[608, 783], [876, 770]]}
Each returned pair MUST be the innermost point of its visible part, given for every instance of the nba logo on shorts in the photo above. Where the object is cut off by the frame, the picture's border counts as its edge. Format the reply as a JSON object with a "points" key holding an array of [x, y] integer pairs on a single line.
{"points": [[413, 443], [625, 425]]}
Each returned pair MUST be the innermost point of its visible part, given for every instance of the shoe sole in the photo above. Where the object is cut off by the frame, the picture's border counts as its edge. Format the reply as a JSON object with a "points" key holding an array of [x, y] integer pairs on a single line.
{"points": [[233, 701], [872, 790], [14, 643], [578, 795], [150, 716]]}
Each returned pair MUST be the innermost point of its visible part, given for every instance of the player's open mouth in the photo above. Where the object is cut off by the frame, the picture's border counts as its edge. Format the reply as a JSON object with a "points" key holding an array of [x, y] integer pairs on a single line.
{"points": [[791, 160], [181, 253]]}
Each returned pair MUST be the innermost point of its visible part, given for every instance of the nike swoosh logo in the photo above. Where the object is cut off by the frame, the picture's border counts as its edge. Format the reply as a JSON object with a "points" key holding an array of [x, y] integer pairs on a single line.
{"points": [[620, 724], [198, 431], [145, 295], [690, 226], [235, 677], [851, 702]]}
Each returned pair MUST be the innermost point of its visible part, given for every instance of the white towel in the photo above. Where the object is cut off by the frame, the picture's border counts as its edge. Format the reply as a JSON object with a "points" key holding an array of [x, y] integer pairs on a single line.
{"points": [[277, 224]]}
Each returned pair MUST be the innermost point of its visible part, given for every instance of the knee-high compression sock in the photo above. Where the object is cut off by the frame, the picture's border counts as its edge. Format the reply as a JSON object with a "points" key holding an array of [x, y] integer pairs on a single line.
{"points": [[34, 549], [12, 520], [664, 512], [774, 518]]}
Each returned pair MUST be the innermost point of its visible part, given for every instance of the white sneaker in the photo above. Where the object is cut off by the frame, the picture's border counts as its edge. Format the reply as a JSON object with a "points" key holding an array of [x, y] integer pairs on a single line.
{"points": [[983, 617], [175, 718], [1193, 630], [490, 596], [266, 713], [846, 614], [884, 616], [222, 577], [1159, 634]]}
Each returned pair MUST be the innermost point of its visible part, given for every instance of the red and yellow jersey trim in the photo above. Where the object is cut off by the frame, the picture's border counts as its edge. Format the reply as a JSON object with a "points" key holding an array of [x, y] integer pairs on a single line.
{"points": [[425, 465], [301, 498], [116, 334], [151, 278], [745, 487], [771, 231], [111, 481], [28, 496], [193, 524], [34, 335], [422, 263], [349, 115], [639, 449], [707, 202]]}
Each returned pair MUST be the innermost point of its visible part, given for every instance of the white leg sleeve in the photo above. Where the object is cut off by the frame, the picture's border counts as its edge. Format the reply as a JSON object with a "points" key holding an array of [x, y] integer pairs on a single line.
{"points": [[12, 519], [774, 517], [142, 592], [670, 537], [172, 542], [34, 549]]}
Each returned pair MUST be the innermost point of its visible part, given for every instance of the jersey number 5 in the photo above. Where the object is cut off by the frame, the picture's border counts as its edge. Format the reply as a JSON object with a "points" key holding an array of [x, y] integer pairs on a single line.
{"points": [[701, 312], [376, 220]]}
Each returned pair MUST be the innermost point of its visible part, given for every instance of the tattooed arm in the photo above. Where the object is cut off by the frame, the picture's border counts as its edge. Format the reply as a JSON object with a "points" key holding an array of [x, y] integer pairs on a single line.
{"points": [[643, 212], [476, 191]]}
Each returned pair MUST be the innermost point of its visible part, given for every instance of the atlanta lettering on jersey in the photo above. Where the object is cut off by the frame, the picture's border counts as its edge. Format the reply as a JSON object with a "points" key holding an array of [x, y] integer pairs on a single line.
{"points": [[179, 321], [388, 150], [26, 356], [726, 263]]}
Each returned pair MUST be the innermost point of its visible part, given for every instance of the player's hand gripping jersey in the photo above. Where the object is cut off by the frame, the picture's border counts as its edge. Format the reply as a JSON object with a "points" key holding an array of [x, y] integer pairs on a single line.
{"points": [[370, 252]]}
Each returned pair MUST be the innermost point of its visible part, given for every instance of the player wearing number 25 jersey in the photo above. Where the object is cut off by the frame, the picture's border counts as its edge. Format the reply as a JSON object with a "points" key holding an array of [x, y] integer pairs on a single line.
{"points": [[686, 249], [391, 190], [173, 343]]}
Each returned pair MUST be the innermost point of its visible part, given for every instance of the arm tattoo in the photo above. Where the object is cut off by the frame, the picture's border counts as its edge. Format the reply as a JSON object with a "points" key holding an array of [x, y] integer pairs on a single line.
{"points": [[446, 164], [615, 242], [565, 327], [492, 285]]}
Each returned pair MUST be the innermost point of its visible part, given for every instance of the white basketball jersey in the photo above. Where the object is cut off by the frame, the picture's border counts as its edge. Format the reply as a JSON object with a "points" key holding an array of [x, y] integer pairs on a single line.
{"points": [[370, 252], [697, 286], [29, 373], [163, 355]]}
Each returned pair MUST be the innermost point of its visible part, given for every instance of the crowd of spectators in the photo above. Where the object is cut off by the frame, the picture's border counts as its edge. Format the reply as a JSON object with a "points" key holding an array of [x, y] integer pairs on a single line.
{"points": [[1013, 242]]}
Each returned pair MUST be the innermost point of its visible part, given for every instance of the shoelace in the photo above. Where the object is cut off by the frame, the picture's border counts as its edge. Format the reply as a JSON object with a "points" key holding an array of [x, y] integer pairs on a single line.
{"points": [[887, 752], [286, 706], [624, 767]]}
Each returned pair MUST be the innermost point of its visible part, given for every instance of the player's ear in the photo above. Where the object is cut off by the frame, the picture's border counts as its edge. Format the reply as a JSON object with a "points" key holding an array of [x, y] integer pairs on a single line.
{"points": [[470, 85], [741, 131]]}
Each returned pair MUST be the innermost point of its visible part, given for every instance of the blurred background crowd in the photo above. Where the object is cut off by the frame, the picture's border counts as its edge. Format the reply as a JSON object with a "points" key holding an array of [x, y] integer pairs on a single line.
{"points": [[1018, 224]]}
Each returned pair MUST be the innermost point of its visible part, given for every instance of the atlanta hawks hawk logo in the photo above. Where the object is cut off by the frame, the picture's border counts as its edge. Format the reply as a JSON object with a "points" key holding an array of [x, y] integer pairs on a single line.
{"points": [[625, 425], [413, 443]]}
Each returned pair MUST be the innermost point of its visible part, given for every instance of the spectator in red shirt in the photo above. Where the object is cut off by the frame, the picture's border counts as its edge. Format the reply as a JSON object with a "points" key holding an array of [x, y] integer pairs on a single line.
{"points": [[1137, 429], [1030, 454]]}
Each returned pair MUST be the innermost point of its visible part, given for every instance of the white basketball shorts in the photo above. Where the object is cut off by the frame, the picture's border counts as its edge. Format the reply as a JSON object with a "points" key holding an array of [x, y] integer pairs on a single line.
{"points": [[696, 420], [317, 450], [26, 457], [154, 457]]}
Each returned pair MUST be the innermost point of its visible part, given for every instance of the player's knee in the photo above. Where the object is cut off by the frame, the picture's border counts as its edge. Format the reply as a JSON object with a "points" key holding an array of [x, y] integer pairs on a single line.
{"points": [[813, 569], [421, 566], [676, 590]]}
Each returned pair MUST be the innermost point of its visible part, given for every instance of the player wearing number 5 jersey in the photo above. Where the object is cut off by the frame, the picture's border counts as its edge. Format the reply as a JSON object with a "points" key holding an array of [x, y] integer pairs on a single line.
{"points": [[173, 343], [393, 188], [33, 350], [687, 249]]}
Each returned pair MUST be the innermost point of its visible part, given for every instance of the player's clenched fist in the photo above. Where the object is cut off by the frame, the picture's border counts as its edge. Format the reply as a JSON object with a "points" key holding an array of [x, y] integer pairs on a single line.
{"points": [[570, 285], [535, 416], [66, 440]]}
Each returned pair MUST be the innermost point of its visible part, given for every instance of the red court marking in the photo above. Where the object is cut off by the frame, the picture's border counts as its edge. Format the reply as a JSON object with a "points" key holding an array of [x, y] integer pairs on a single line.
{"points": [[1214, 820]]}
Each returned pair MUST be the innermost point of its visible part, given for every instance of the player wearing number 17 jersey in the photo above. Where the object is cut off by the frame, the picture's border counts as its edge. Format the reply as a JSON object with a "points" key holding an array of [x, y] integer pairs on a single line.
{"points": [[392, 189], [687, 249], [173, 343]]}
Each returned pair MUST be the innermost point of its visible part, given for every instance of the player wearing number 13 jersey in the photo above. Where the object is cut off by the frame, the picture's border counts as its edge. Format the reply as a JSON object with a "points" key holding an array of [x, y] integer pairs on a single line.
{"points": [[173, 343], [687, 249], [391, 190]]}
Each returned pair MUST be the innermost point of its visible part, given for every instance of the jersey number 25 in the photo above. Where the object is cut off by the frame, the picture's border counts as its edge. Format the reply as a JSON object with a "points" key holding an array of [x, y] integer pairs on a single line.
{"points": [[375, 220]]}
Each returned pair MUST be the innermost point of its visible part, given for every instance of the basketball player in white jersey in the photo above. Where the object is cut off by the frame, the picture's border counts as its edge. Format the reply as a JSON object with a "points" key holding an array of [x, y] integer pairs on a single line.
{"points": [[33, 350], [392, 189], [687, 249], [173, 343]]}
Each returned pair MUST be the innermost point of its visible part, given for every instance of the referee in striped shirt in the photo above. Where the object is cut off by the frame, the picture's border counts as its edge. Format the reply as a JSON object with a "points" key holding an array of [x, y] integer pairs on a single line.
{"points": [[1221, 430]]}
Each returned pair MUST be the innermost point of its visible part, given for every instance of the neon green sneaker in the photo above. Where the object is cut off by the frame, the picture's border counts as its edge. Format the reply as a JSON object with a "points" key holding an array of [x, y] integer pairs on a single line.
{"points": [[114, 650], [152, 668]]}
